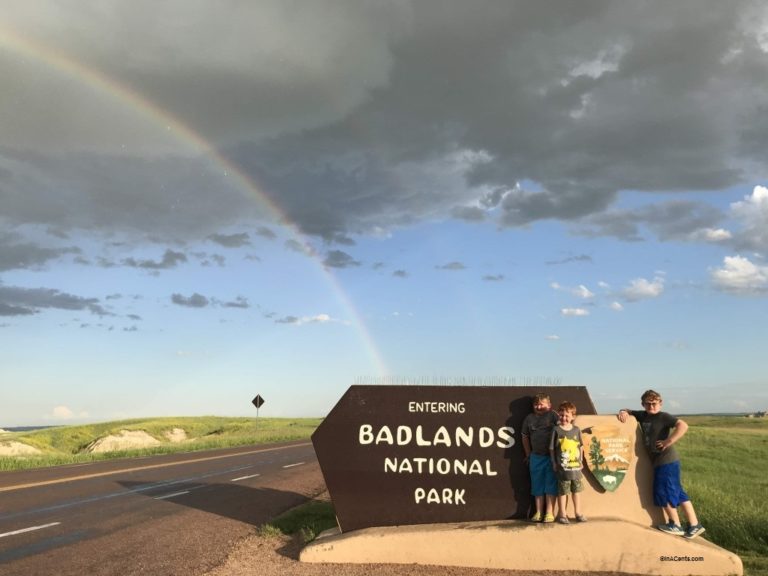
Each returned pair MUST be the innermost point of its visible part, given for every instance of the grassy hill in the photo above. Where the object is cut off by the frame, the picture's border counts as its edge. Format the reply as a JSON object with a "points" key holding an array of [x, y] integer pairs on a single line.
{"points": [[70, 444]]}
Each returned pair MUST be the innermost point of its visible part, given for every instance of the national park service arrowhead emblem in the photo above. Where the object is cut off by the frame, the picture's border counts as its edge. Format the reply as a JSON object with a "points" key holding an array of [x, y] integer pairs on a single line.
{"points": [[609, 453]]}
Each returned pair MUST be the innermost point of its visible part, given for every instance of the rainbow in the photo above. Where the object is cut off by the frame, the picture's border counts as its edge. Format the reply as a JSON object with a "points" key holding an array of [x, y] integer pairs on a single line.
{"points": [[126, 95]]}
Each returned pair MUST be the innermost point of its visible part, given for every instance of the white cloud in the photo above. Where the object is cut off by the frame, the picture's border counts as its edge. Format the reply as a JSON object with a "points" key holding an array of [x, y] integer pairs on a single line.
{"points": [[583, 292], [64, 413], [552, 337], [580, 291], [574, 312], [741, 276], [316, 319], [711, 235], [752, 212], [643, 289], [616, 306]]}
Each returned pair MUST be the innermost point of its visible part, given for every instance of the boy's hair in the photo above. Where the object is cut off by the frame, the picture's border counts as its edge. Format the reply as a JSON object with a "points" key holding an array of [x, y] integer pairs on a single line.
{"points": [[540, 397], [651, 395], [567, 406]]}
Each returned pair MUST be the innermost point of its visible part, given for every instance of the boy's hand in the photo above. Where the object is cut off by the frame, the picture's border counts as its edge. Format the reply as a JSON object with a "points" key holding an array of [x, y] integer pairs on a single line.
{"points": [[622, 415]]}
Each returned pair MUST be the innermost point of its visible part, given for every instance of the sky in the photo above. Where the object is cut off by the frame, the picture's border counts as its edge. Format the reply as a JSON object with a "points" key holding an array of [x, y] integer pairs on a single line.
{"points": [[205, 201]]}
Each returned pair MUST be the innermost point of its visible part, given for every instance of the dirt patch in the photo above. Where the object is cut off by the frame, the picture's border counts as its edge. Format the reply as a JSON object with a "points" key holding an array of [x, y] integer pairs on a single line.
{"points": [[176, 435], [13, 448], [279, 556], [125, 440]]}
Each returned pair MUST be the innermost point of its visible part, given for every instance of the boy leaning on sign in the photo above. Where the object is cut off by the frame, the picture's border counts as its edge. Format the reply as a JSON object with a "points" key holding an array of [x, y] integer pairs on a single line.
{"points": [[536, 433], [660, 431]]}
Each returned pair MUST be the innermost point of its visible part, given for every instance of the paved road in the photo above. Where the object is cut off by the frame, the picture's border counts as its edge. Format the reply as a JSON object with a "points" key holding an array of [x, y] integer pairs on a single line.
{"points": [[165, 515]]}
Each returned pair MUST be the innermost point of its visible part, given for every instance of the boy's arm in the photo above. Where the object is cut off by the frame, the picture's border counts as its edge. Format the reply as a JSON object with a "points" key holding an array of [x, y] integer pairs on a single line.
{"points": [[623, 414], [526, 447], [681, 427], [552, 450]]}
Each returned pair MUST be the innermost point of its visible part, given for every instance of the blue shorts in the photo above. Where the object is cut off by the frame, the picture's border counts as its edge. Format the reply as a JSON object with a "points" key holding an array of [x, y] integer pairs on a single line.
{"points": [[543, 480], [667, 489]]}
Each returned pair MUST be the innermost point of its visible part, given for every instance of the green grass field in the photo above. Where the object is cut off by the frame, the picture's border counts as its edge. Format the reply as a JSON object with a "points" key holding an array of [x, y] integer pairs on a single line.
{"points": [[68, 444], [725, 472], [725, 468]]}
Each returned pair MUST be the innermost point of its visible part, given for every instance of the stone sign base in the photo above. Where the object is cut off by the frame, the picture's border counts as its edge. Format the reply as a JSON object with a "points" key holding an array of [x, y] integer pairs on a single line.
{"points": [[601, 544]]}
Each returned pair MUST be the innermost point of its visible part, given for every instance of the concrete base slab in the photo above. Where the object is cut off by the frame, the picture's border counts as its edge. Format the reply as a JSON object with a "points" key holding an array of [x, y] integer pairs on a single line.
{"points": [[608, 545]]}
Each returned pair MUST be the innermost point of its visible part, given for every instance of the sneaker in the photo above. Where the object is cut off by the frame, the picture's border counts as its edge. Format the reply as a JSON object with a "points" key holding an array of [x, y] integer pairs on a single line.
{"points": [[536, 517], [563, 520], [694, 531], [548, 518], [581, 518], [671, 528]]}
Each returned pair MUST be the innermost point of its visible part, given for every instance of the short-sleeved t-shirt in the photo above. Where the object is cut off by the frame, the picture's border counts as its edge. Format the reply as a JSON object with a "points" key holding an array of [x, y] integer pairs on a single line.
{"points": [[566, 445], [657, 427], [538, 428]]}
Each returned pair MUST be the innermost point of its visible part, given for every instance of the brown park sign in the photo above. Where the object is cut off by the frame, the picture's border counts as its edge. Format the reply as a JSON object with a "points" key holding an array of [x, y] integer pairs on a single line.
{"points": [[608, 453], [394, 455]]}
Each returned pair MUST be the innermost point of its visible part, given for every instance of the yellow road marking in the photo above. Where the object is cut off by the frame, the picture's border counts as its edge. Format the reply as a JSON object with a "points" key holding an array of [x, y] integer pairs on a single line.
{"points": [[138, 468]]}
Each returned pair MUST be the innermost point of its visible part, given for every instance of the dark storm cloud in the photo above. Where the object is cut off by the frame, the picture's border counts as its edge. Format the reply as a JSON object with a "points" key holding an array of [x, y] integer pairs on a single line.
{"points": [[296, 246], [451, 266], [199, 301], [194, 301], [469, 213], [16, 301], [515, 111], [339, 259], [17, 256], [569, 259], [239, 302], [10, 310], [265, 232], [231, 240], [617, 97], [677, 220], [170, 259]]}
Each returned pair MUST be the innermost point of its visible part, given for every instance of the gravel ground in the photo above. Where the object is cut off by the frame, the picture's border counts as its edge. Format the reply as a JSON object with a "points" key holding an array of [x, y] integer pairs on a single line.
{"points": [[279, 556], [257, 555]]}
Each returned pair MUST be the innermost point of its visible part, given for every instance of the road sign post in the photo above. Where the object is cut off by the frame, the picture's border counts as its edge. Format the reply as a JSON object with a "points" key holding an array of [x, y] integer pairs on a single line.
{"points": [[258, 402]]}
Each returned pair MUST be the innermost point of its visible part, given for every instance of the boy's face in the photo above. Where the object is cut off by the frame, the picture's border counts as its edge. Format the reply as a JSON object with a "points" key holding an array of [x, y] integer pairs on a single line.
{"points": [[652, 405], [566, 416], [542, 406]]}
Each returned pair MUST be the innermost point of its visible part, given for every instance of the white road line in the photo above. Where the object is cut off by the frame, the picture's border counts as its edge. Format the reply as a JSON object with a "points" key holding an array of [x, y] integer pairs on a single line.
{"points": [[292, 465], [171, 495], [147, 467], [245, 477], [30, 529]]}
